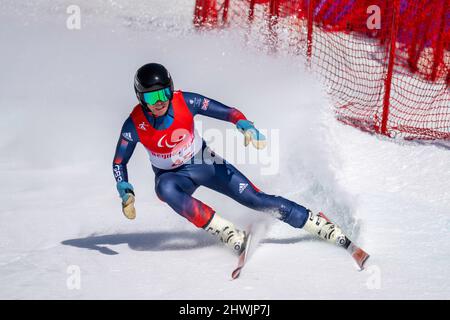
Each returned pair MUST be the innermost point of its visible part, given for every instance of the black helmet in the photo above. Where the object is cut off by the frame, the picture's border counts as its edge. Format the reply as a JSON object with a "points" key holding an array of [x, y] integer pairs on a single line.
{"points": [[152, 77]]}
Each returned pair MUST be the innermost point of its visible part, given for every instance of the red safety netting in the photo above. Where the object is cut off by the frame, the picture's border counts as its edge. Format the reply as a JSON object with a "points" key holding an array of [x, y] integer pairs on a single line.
{"points": [[385, 63]]}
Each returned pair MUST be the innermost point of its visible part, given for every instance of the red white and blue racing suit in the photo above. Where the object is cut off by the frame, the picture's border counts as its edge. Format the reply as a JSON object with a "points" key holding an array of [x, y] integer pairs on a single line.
{"points": [[182, 161]]}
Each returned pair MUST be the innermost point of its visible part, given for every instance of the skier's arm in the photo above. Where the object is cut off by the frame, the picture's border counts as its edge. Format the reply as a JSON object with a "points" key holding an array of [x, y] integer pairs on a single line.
{"points": [[199, 104], [124, 150]]}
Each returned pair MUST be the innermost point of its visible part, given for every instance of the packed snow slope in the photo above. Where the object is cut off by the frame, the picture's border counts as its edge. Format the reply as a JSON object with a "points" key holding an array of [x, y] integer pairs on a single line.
{"points": [[64, 95]]}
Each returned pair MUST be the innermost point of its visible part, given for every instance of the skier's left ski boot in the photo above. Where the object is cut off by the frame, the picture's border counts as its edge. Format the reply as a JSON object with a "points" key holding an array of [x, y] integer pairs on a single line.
{"points": [[227, 233], [324, 228]]}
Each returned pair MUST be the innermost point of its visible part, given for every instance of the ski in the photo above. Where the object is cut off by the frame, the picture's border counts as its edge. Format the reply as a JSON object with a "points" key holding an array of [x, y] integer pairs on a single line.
{"points": [[358, 254], [242, 258]]}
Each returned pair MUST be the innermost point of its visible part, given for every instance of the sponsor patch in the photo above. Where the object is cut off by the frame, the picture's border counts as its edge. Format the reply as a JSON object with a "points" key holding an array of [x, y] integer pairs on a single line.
{"points": [[143, 126]]}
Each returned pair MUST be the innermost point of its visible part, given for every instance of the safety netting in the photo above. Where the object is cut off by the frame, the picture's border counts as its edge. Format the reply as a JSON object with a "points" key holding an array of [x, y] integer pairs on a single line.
{"points": [[384, 63]]}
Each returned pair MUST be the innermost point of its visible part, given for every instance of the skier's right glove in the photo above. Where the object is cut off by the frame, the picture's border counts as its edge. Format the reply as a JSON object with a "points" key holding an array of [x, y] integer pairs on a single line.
{"points": [[126, 192]]}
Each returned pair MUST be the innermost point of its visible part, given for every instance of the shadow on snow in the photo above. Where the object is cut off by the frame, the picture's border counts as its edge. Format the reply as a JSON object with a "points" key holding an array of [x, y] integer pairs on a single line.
{"points": [[159, 241]]}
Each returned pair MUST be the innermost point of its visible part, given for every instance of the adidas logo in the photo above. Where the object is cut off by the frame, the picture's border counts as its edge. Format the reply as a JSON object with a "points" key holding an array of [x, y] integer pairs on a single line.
{"points": [[127, 135], [242, 187]]}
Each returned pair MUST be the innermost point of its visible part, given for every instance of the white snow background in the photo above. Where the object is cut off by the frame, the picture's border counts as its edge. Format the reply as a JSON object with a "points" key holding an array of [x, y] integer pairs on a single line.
{"points": [[64, 95]]}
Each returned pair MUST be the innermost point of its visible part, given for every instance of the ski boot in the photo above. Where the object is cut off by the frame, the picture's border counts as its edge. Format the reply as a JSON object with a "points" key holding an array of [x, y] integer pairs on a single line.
{"points": [[227, 233]]}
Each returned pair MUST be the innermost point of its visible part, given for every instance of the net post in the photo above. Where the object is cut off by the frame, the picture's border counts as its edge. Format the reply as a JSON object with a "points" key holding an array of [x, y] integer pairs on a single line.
{"points": [[251, 11], [388, 79], [439, 49], [310, 30], [226, 5]]}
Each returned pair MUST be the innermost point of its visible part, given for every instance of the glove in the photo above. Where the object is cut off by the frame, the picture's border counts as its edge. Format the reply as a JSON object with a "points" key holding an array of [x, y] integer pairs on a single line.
{"points": [[251, 134], [126, 192]]}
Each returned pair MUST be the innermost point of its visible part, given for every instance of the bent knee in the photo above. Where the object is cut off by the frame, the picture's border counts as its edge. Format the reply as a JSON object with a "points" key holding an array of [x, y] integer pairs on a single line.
{"points": [[164, 188]]}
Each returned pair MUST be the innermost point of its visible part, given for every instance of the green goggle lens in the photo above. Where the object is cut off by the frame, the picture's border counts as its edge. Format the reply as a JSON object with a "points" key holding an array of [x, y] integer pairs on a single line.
{"points": [[155, 96]]}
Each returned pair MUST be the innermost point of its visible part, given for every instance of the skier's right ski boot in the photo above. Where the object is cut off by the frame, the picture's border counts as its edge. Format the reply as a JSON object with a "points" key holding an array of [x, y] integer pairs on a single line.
{"points": [[227, 233], [324, 228]]}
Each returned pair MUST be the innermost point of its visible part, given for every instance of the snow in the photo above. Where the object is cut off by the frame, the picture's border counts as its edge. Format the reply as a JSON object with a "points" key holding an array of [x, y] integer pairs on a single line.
{"points": [[64, 95]]}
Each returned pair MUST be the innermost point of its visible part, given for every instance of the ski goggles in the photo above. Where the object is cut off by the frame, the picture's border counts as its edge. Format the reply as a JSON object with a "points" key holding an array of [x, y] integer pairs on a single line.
{"points": [[155, 96]]}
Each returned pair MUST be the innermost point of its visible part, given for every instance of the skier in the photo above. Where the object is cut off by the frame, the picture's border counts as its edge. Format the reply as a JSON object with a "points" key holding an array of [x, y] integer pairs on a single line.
{"points": [[163, 123]]}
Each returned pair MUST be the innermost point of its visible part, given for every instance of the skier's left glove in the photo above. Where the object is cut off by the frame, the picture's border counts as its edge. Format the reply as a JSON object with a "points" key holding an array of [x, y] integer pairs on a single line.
{"points": [[126, 192], [251, 134]]}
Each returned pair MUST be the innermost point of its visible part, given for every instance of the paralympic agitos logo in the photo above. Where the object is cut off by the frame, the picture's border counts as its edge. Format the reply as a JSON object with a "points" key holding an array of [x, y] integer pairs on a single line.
{"points": [[175, 139]]}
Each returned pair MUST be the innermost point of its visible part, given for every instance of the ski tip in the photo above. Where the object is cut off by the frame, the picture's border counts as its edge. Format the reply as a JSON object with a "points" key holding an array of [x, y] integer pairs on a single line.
{"points": [[360, 257], [235, 274], [242, 257], [358, 254]]}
